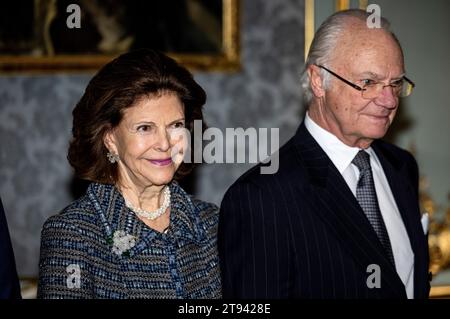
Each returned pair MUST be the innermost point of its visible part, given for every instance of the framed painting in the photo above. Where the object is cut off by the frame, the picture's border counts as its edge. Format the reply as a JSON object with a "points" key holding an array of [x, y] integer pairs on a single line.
{"points": [[39, 36]]}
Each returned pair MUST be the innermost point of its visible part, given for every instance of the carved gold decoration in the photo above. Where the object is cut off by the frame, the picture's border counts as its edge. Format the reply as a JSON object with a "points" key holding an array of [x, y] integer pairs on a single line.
{"points": [[440, 292], [439, 231], [342, 5]]}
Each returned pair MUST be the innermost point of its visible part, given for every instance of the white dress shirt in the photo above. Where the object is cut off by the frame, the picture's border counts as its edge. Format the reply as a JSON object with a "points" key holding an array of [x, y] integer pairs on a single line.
{"points": [[342, 155]]}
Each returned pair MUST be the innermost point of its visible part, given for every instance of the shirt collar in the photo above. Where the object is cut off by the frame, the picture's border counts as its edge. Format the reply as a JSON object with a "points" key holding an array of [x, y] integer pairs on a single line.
{"points": [[339, 153]]}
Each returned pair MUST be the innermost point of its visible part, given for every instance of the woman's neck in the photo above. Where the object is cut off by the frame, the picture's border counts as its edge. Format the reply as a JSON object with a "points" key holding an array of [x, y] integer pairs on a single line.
{"points": [[143, 197], [149, 198]]}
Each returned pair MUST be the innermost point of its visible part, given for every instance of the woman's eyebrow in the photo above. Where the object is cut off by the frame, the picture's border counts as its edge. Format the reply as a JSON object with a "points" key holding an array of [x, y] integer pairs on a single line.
{"points": [[178, 120]]}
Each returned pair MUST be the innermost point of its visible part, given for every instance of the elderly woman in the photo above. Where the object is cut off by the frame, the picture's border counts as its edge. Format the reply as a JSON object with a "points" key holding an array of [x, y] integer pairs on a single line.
{"points": [[136, 233]]}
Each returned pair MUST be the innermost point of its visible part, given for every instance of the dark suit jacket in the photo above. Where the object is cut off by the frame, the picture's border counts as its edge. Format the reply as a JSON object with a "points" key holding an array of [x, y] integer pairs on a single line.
{"points": [[300, 233], [9, 283]]}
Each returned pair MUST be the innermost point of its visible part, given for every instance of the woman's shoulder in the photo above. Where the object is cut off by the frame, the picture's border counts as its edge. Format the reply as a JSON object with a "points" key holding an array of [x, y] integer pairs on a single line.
{"points": [[205, 206], [202, 207], [208, 212], [77, 214]]}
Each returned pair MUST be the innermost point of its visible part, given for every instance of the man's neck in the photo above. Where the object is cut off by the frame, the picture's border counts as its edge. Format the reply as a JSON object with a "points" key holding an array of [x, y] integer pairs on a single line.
{"points": [[318, 115]]}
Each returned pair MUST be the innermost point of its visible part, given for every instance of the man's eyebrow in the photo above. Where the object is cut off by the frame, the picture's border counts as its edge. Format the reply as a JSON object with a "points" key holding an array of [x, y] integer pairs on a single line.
{"points": [[372, 75], [399, 77], [368, 74]]}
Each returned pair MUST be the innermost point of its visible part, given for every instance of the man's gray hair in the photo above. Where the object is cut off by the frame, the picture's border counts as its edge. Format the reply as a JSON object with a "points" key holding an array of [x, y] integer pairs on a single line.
{"points": [[325, 41]]}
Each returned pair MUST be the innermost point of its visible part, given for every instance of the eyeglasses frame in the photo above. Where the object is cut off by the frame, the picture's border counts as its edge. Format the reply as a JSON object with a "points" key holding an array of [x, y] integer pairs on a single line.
{"points": [[355, 86]]}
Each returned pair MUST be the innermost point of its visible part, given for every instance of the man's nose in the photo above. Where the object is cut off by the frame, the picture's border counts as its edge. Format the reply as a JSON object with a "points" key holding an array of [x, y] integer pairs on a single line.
{"points": [[387, 97]]}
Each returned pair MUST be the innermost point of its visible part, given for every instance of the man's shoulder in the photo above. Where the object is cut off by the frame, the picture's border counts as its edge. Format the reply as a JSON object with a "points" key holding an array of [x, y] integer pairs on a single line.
{"points": [[394, 152], [286, 158]]}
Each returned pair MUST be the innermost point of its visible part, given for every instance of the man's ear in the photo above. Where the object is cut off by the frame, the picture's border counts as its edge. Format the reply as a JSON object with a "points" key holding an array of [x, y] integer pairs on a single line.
{"points": [[109, 139], [316, 81]]}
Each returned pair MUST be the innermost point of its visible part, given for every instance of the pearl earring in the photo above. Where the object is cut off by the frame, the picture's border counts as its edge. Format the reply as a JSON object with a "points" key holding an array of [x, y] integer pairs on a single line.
{"points": [[112, 158]]}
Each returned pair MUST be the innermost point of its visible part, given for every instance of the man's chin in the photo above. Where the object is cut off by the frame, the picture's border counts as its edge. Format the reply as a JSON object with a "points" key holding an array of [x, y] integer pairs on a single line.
{"points": [[376, 134]]}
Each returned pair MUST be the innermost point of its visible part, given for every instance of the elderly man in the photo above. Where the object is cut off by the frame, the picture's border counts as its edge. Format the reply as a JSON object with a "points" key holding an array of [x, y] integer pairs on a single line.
{"points": [[340, 218]]}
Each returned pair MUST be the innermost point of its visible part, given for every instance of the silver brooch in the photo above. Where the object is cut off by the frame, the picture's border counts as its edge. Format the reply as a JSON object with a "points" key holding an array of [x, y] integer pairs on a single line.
{"points": [[122, 242]]}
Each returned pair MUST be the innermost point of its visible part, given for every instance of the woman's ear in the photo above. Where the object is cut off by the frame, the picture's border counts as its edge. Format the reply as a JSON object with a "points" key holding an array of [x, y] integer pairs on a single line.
{"points": [[109, 139], [316, 81]]}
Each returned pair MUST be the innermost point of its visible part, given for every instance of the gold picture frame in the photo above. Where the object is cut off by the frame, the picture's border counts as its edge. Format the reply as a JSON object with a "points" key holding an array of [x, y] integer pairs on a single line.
{"points": [[228, 59], [310, 18], [439, 236]]}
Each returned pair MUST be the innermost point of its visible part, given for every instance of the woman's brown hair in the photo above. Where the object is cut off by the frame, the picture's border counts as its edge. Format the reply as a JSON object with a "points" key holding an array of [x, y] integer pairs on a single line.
{"points": [[117, 86]]}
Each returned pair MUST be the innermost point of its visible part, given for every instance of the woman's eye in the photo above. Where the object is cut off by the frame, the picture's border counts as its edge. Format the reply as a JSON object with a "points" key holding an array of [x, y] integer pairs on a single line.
{"points": [[144, 128], [178, 125]]}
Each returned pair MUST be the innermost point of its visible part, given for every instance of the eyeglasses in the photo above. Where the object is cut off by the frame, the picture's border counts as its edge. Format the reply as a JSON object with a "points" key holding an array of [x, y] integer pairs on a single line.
{"points": [[371, 88]]}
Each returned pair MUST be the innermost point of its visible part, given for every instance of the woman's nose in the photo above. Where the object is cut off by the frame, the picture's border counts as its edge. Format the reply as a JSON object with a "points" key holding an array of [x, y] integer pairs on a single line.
{"points": [[163, 143]]}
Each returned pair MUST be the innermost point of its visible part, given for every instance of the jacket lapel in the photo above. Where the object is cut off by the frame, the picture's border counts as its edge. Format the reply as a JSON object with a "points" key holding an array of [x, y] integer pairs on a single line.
{"points": [[338, 208], [397, 175]]}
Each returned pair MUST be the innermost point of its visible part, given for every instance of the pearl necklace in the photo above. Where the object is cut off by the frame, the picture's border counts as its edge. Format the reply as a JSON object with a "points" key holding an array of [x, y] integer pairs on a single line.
{"points": [[156, 213]]}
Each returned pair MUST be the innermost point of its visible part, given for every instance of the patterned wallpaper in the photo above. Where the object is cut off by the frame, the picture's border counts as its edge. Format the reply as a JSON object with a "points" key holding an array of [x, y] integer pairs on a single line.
{"points": [[35, 121]]}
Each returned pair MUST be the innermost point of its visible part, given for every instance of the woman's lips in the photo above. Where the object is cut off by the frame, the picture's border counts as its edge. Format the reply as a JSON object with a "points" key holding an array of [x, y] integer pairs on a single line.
{"points": [[161, 162]]}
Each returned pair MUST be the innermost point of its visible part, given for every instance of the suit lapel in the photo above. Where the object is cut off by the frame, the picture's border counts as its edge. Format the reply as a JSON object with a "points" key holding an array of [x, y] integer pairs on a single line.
{"points": [[394, 174], [338, 208], [397, 176]]}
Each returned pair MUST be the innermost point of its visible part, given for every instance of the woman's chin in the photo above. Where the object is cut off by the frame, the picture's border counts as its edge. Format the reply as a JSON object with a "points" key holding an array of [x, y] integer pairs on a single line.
{"points": [[161, 178]]}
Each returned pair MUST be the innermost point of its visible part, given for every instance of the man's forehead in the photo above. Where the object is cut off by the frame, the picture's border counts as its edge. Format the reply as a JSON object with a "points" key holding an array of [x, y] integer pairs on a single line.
{"points": [[365, 39], [378, 65], [372, 47]]}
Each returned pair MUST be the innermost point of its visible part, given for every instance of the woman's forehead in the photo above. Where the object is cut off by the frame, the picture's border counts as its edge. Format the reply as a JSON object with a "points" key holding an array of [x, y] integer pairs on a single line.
{"points": [[155, 107]]}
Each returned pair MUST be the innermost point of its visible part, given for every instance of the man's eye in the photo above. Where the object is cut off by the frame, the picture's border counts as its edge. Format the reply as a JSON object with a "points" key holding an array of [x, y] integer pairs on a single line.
{"points": [[368, 82], [397, 83]]}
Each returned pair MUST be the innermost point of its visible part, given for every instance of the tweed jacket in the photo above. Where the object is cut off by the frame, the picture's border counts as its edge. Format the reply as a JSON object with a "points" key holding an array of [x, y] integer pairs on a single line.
{"points": [[97, 248]]}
